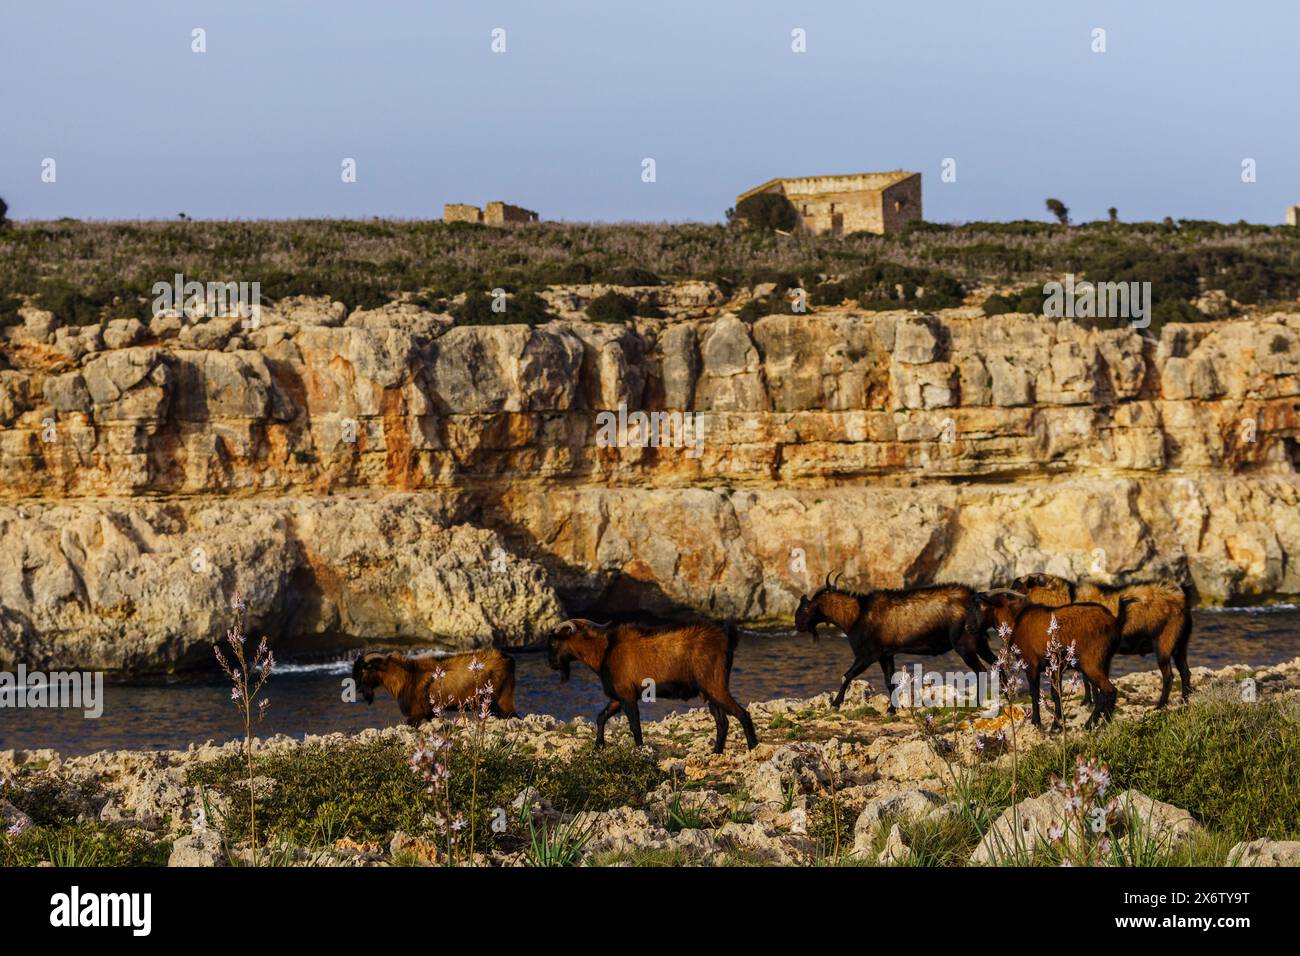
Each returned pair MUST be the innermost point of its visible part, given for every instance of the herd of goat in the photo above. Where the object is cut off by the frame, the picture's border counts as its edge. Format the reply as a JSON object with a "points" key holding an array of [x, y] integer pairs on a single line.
{"points": [[1038, 615]]}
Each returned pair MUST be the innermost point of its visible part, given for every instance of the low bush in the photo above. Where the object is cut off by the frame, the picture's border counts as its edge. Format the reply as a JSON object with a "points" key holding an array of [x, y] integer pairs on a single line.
{"points": [[521, 308], [1230, 764], [368, 791], [611, 307], [766, 212], [87, 843]]}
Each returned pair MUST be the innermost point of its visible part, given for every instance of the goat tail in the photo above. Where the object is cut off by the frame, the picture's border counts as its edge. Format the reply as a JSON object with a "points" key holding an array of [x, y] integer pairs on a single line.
{"points": [[1123, 613], [733, 638], [1189, 600]]}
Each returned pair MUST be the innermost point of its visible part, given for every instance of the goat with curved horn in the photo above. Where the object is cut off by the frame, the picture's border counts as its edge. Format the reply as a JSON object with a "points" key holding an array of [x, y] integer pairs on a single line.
{"points": [[880, 624]]}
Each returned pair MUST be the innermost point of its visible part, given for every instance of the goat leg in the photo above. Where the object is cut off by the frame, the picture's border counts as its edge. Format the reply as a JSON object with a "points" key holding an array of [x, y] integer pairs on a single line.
{"points": [[887, 668], [1184, 672], [631, 708], [1056, 703], [1166, 680], [857, 667], [971, 659], [728, 704], [609, 710], [1034, 686], [720, 719]]}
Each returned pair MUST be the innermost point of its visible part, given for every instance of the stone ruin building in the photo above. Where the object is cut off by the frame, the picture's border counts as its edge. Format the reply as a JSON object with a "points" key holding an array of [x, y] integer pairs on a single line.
{"points": [[495, 214], [859, 202]]}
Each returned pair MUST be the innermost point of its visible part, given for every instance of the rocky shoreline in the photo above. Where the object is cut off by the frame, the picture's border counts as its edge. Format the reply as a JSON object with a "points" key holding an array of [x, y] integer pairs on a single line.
{"points": [[387, 474], [752, 806]]}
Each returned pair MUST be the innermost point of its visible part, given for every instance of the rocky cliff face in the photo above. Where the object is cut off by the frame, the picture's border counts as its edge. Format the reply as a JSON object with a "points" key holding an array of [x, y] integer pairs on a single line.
{"points": [[386, 474]]}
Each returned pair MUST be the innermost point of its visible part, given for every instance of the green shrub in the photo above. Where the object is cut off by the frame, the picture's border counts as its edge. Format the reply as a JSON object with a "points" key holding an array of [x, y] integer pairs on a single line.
{"points": [[522, 308], [368, 790], [51, 799], [70, 305], [1028, 300], [600, 779], [611, 307], [766, 212], [998, 305], [9, 306], [891, 286], [1230, 764], [827, 293], [88, 843]]}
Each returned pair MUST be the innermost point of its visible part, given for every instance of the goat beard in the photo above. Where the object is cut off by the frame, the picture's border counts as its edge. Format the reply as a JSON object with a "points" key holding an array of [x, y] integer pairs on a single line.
{"points": [[563, 668]]}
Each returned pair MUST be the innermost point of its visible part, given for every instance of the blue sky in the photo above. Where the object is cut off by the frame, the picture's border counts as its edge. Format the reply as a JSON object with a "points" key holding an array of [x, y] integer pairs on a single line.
{"points": [[258, 126]]}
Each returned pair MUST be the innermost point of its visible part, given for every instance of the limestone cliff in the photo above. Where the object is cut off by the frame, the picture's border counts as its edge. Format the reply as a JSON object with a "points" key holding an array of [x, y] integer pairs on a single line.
{"points": [[385, 474]]}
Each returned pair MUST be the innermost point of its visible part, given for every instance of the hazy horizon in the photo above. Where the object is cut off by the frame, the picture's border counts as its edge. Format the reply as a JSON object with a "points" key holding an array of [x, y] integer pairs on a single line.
{"points": [[257, 127]]}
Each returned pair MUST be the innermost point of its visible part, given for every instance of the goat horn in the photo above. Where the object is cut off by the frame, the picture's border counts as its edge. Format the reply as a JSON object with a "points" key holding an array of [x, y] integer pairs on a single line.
{"points": [[837, 580], [828, 579]]}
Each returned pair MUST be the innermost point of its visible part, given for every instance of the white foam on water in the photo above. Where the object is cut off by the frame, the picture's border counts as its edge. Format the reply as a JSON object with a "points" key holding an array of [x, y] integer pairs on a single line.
{"points": [[317, 667], [1260, 609]]}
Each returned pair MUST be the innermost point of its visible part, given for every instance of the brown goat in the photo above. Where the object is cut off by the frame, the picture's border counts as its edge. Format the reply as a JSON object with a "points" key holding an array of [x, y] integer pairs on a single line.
{"points": [[684, 661], [452, 683], [1159, 620], [880, 624], [1089, 628]]}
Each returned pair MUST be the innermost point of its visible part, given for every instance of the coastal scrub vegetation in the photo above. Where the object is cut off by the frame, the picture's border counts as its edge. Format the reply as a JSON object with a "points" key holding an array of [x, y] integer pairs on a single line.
{"points": [[64, 830], [368, 792], [87, 272], [1225, 761], [766, 212], [1230, 763]]}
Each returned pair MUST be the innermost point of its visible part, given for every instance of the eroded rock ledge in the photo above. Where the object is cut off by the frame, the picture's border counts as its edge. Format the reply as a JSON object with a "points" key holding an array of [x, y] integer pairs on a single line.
{"points": [[898, 447], [145, 585]]}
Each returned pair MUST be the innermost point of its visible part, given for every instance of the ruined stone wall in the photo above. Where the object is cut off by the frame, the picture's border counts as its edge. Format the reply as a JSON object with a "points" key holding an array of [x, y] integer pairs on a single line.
{"points": [[901, 204], [845, 204], [461, 212], [498, 213], [839, 213]]}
